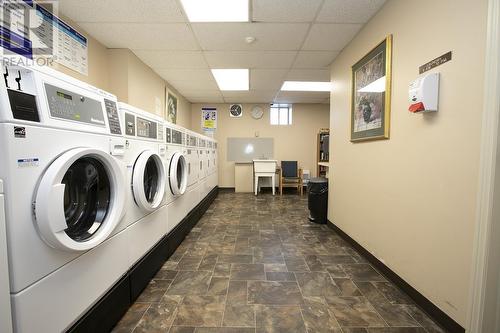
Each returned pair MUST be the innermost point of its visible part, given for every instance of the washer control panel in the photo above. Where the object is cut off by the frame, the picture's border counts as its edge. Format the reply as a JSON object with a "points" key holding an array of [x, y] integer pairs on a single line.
{"points": [[67, 105], [113, 118], [146, 128]]}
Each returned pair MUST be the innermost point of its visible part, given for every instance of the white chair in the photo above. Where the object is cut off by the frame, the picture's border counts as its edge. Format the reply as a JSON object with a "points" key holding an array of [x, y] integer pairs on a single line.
{"points": [[264, 168]]}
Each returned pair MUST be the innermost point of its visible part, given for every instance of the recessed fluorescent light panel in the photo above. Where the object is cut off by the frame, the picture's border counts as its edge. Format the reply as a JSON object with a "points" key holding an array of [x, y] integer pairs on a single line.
{"points": [[216, 10], [231, 79], [306, 86]]}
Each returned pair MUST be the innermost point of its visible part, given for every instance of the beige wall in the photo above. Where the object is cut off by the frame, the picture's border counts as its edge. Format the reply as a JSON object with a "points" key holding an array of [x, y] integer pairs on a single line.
{"points": [[410, 200], [295, 142]]}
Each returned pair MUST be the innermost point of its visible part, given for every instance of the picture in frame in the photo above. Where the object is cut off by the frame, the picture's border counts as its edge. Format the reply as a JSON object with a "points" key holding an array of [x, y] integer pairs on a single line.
{"points": [[371, 94], [171, 108]]}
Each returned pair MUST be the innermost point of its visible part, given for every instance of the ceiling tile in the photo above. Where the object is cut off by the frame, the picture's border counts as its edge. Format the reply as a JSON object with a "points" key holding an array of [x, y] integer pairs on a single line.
{"points": [[261, 79], [285, 10], [348, 11], [193, 85], [252, 96], [250, 59], [186, 74], [269, 36], [157, 59], [314, 59], [304, 94], [145, 36], [151, 11], [201, 93], [330, 37], [321, 75]]}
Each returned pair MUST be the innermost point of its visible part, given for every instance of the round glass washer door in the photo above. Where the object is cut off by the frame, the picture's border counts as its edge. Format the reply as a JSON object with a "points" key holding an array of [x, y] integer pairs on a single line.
{"points": [[148, 181], [80, 199], [178, 174]]}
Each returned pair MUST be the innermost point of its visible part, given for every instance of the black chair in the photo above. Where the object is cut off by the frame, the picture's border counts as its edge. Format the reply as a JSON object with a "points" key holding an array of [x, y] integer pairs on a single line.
{"points": [[291, 176]]}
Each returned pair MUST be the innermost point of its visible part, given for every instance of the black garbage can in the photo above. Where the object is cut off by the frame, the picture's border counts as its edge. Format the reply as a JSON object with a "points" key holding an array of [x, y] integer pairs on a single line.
{"points": [[318, 200]]}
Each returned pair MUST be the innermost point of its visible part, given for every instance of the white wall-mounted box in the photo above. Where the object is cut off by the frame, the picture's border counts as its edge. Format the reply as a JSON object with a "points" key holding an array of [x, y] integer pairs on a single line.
{"points": [[424, 93]]}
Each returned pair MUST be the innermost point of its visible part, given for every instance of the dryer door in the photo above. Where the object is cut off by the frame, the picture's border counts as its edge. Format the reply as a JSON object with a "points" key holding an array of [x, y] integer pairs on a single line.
{"points": [[177, 174], [148, 181], [80, 199]]}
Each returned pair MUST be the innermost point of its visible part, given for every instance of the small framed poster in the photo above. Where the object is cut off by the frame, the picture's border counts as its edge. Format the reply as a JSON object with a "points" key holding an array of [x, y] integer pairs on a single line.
{"points": [[209, 119], [371, 94], [171, 108]]}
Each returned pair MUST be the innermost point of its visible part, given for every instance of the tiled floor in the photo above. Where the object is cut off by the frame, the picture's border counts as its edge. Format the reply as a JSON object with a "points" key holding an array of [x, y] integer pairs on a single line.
{"points": [[255, 264]]}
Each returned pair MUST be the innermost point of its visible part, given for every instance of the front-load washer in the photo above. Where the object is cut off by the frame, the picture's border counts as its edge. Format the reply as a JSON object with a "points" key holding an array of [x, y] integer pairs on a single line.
{"points": [[64, 195], [5, 314], [192, 192], [204, 162], [177, 174], [146, 215]]}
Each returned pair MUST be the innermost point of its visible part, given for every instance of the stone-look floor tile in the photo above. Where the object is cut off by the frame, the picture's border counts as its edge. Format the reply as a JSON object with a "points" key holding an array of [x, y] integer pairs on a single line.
{"points": [[170, 264], [336, 259], [159, 317], [395, 314], [247, 272], [154, 291], [237, 292], [317, 284], [189, 263], [222, 270], [314, 264], [239, 316], [280, 276], [318, 319], [423, 319], [190, 283], [275, 268], [392, 293], [394, 330], [131, 318], [354, 311], [362, 272], [224, 330], [200, 311], [165, 274], [282, 319], [336, 271], [296, 265], [218, 286], [273, 292], [181, 329], [208, 262], [371, 293], [235, 259], [347, 287]]}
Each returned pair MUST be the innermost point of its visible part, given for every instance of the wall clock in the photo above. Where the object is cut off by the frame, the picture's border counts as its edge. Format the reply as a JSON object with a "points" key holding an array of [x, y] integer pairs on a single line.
{"points": [[236, 110], [257, 112]]}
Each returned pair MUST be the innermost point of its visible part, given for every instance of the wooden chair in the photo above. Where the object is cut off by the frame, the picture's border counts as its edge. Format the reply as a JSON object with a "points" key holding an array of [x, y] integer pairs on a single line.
{"points": [[291, 176]]}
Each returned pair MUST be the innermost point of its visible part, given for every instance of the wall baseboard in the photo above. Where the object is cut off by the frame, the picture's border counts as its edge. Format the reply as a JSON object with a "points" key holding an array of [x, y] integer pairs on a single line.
{"points": [[420, 300], [108, 311]]}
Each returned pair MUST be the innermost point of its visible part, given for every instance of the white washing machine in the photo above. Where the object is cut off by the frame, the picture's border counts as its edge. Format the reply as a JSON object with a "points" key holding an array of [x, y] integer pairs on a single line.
{"points": [[212, 178], [5, 313], [204, 165], [177, 174], [192, 192], [64, 195], [146, 211]]}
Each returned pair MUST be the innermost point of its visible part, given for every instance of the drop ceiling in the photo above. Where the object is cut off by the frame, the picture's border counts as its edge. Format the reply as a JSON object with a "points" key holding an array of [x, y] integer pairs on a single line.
{"points": [[295, 40]]}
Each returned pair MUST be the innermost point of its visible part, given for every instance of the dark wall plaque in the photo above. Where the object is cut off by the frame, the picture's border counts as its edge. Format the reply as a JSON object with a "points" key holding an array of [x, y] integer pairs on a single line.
{"points": [[435, 62]]}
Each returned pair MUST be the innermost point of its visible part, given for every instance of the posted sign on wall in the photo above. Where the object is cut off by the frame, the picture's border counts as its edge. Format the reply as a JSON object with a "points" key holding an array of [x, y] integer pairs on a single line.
{"points": [[209, 119], [31, 30]]}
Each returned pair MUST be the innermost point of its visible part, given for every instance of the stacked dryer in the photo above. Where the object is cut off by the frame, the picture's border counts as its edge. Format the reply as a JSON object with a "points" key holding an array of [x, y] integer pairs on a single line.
{"points": [[64, 195], [213, 174], [145, 153]]}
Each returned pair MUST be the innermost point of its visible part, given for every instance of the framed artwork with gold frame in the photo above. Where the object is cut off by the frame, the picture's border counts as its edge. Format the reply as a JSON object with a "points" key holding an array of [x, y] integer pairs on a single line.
{"points": [[371, 94]]}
